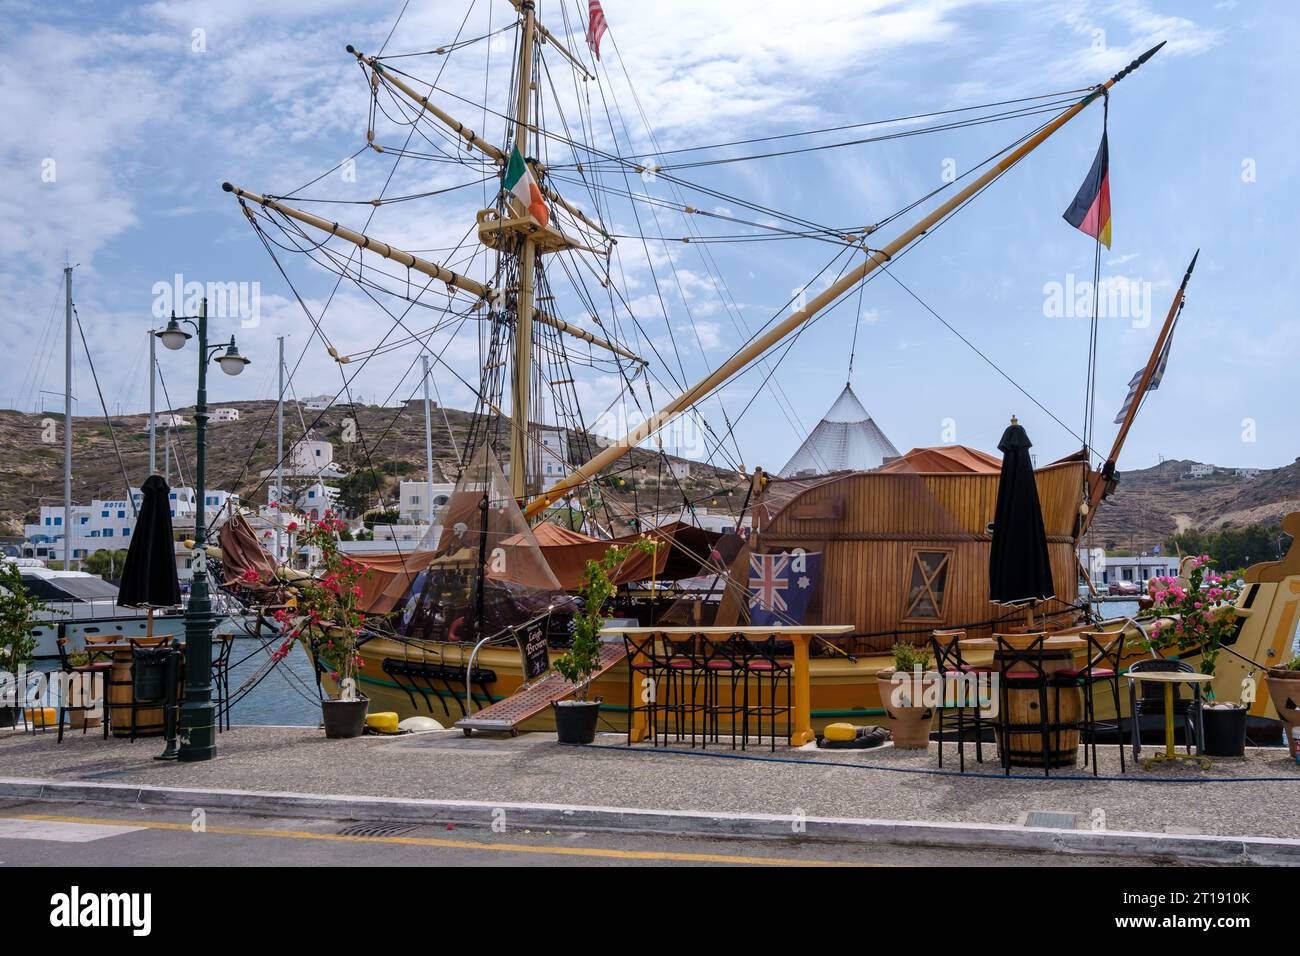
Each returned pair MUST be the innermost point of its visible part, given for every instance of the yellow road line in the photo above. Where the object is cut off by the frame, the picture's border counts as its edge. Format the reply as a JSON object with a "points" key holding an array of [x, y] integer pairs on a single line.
{"points": [[500, 847]]}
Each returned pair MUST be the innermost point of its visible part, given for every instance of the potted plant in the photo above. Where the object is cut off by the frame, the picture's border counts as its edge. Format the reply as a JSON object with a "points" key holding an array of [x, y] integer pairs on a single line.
{"points": [[1284, 688], [1195, 618], [909, 721], [575, 720], [16, 641], [325, 617]]}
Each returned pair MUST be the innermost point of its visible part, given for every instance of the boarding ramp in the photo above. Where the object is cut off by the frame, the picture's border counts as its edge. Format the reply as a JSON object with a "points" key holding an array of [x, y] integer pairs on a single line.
{"points": [[526, 703]]}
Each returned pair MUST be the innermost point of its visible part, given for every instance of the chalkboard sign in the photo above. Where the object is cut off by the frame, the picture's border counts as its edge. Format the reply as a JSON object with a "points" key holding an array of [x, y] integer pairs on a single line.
{"points": [[537, 657]]}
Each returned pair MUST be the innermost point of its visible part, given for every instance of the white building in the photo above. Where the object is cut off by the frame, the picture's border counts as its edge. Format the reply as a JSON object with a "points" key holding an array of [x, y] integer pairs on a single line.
{"points": [[1248, 472], [1106, 569], [679, 470], [414, 497], [317, 403], [169, 420], [225, 414], [107, 524], [1199, 471], [313, 498]]}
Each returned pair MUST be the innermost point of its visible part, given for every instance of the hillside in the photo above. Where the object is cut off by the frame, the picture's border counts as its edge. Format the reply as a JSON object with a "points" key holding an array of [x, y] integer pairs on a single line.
{"points": [[1153, 503], [390, 438]]}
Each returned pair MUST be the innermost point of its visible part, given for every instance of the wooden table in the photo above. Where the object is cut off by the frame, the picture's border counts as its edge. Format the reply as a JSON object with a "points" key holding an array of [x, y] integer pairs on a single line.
{"points": [[127, 720], [800, 635], [1169, 679]]}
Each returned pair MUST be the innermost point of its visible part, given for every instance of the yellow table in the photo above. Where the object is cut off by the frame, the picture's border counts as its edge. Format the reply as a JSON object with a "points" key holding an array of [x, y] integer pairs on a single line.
{"points": [[800, 635], [1169, 679]]}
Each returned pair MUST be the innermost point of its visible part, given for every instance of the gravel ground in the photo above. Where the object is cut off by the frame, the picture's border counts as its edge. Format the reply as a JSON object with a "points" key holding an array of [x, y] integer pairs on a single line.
{"points": [[880, 784]]}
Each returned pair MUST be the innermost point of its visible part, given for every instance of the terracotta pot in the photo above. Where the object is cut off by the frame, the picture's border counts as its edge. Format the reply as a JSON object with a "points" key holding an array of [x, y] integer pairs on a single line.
{"points": [[1284, 688], [909, 726]]}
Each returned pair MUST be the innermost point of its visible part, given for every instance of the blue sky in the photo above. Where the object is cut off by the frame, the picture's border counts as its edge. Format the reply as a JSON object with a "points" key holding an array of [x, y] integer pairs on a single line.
{"points": [[143, 127]]}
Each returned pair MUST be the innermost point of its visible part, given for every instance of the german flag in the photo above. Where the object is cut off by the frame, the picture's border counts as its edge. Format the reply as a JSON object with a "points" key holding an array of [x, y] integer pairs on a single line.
{"points": [[1090, 211]]}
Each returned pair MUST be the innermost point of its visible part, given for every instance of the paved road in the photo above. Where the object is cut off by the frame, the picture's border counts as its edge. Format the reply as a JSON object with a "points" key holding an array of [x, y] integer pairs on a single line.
{"points": [[63, 834]]}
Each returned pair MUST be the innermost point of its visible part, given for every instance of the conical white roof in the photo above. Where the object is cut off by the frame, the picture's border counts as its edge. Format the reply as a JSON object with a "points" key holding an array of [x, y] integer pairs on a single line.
{"points": [[846, 439]]}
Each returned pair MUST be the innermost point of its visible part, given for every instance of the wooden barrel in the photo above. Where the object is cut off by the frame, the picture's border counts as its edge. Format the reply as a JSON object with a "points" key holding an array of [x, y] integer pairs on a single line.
{"points": [[1064, 712], [145, 721]]}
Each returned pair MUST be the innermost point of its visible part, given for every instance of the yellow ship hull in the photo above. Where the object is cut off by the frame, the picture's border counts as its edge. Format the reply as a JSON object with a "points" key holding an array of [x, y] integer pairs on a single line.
{"points": [[843, 690]]}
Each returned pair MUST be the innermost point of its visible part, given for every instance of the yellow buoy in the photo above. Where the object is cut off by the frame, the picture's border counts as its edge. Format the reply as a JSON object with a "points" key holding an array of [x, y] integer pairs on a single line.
{"points": [[384, 723], [840, 732]]}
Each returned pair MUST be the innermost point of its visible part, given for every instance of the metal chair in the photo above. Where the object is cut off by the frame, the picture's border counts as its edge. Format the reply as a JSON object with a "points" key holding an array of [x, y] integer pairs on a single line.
{"points": [[1105, 654], [953, 668], [221, 679], [1023, 667], [1152, 700], [87, 671]]}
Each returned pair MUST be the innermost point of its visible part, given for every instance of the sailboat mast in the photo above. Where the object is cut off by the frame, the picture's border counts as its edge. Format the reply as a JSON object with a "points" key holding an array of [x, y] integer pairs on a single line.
{"points": [[153, 403], [428, 442], [279, 449], [523, 357], [1098, 489], [67, 417], [758, 346]]}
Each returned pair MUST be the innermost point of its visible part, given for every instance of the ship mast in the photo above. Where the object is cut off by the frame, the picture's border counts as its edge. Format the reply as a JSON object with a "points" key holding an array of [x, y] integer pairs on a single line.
{"points": [[1103, 482], [520, 449]]}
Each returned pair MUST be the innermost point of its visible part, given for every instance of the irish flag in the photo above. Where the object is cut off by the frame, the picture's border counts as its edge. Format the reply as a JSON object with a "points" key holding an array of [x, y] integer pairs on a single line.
{"points": [[1090, 211], [520, 183]]}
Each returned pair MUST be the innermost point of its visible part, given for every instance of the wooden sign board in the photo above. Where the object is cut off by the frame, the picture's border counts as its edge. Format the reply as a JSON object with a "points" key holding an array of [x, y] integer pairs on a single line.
{"points": [[536, 654]]}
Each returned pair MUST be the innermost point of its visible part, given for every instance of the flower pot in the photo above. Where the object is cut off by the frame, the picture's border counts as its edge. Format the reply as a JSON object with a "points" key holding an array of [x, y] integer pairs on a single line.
{"points": [[575, 720], [1284, 688], [344, 718], [1225, 731], [909, 726]]}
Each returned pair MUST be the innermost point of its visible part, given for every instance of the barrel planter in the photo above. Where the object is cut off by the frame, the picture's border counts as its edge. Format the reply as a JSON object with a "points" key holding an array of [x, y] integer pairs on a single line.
{"points": [[908, 725]]}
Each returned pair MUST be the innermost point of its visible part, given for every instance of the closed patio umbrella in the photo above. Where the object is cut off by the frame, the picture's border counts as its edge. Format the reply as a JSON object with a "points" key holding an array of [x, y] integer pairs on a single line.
{"points": [[1020, 569], [149, 575]]}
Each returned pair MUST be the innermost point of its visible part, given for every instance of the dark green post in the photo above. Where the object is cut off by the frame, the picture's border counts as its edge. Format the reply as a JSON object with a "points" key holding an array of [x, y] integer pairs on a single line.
{"points": [[198, 739]]}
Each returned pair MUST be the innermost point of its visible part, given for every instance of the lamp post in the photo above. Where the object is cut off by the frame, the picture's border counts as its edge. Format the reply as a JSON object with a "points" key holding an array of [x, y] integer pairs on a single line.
{"points": [[196, 721]]}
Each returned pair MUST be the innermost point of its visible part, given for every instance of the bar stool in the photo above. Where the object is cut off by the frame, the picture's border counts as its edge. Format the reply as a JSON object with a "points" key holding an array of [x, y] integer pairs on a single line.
{"points": [[646, 667], [762, 664], [86, 671], [725, 658], [685, 673], [1105, 654], [952, 666], [221, 679], [1023, 668]]}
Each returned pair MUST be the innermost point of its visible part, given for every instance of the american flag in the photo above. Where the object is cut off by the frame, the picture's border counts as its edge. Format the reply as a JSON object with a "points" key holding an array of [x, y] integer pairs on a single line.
{"points": [[596, 26]]}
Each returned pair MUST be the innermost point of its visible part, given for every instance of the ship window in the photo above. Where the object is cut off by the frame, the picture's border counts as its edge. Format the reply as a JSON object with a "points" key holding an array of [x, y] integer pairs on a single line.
{"points": [[927, 586]]}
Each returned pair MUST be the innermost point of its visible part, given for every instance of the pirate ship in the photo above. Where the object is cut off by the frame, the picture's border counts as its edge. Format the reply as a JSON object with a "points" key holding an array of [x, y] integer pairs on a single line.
{"points": [[896, 551]]}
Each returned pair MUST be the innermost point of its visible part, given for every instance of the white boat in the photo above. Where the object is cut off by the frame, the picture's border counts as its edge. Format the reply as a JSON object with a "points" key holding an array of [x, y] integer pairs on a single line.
{"points": [[79, 604]]}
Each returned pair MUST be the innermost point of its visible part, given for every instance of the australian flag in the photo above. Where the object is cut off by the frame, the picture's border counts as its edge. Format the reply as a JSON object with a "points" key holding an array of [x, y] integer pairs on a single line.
{"points": [[781, 585]]}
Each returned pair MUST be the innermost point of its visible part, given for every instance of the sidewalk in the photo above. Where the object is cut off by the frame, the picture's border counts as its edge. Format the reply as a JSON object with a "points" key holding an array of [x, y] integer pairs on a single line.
{"points": [[532, 770]]}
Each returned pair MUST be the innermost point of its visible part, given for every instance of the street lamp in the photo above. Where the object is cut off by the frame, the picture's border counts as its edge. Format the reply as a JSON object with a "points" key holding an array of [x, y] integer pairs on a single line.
{"points": [[198, 741]]}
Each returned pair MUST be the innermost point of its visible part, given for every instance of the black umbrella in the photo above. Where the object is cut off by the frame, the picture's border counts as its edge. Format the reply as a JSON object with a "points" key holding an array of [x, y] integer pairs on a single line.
{"points": [[149, 575], [1020, 570]]}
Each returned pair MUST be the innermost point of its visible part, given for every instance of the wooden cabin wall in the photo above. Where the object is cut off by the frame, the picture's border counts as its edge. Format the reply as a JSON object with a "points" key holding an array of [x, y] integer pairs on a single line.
{"points": [[868, 525]]}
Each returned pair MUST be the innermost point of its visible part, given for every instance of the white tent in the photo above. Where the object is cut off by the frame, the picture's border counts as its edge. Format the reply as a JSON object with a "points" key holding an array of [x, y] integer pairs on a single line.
{"points": [[846, 439]]}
